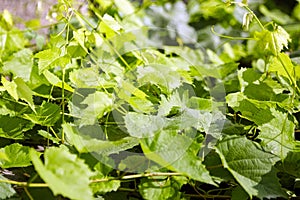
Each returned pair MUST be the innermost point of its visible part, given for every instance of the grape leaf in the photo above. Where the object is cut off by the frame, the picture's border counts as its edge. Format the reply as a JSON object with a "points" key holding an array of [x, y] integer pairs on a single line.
{"points": [[161, 75], [20, 64], [54, 80], [46, 114], [18, 89], [18, 156], [125, 7], [278, 134], [283, 66], [64, 173], [6, 190], [250, 166], [160, 188], [174, 152], [84, 141], [109, 26], [92, 107], [272, 42], [15, 128], [47, 58], [140, 125], [291, 164]]}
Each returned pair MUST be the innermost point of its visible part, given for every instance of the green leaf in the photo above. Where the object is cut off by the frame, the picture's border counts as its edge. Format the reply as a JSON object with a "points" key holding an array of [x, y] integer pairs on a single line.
{"points": [[94, 106], [104, 187], [48, 136], [282, 65], [161, 75], [125, 7], [162, 188], [253, 110], [291, 164], [278, 134], [250, 166], [15, 128], [6, 190], [46, 114], [18, 156], [272, 42], [84, 140], [18, 89], [140, 125], [47, 58], [109, 26], [135, 97], [20, 64], [64, 173], [54, 80], [174, 152], [135, 163], [11, 41]]}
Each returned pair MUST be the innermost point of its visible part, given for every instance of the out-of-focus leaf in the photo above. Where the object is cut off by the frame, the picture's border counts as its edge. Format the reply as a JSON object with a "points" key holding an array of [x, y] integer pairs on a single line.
{"points": [[6, 190], [20, 64], [47, 58]]}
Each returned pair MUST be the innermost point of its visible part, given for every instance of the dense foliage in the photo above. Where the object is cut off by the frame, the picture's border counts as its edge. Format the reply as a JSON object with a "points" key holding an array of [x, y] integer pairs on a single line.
{"points": [[152, 100]]}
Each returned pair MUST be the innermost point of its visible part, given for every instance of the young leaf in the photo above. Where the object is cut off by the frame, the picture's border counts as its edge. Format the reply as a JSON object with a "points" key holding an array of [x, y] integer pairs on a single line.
{"points": [[18, 156], [161, 75], [272, 42], [250, 166], [64, 173], [125, 7]]}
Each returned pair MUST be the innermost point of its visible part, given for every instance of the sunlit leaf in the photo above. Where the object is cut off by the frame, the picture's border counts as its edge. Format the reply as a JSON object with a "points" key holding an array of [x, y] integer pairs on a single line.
{"points": [[90, 139], [18, 156], [19, 90], [64, 172], [160, 188], [46, 114], [250, 166]]}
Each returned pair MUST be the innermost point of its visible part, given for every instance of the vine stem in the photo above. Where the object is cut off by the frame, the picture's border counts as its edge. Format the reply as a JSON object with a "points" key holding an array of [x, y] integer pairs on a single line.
{"points": [[132, 176]]}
